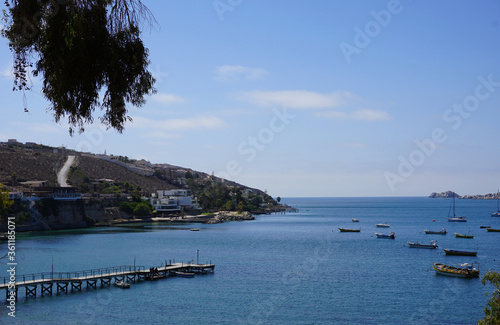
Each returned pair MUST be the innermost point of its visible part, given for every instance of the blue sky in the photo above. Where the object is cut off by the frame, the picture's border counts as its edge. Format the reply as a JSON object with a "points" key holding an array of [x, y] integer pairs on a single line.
{"points": [[308, 98]]}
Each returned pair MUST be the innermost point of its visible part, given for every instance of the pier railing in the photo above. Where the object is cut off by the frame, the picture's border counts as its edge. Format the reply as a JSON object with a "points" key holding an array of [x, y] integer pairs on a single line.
{"points": [[75, 275]]}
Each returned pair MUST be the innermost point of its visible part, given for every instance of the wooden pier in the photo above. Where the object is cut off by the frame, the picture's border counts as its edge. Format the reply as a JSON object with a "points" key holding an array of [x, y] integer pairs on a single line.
{"points": [[74, 280]]}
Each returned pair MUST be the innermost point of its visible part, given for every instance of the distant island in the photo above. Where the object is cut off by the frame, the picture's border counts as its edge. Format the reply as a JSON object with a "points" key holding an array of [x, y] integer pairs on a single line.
{"points": [[450, 194]]}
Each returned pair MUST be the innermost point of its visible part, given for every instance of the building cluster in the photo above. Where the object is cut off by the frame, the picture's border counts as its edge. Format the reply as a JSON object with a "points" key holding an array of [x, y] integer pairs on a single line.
{"points": [[174, 200], [34, 190]]}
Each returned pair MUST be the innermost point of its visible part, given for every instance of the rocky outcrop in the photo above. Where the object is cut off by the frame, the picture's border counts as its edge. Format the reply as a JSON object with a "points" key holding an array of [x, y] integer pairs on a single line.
{"points": [[450, 194], [230, 216], [447, 194]]}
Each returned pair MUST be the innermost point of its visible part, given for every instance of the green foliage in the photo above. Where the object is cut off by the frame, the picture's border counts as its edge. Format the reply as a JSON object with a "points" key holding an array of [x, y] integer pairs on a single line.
{"points": [[5, 203], [142, 209], [81, 48], [492, 309]]}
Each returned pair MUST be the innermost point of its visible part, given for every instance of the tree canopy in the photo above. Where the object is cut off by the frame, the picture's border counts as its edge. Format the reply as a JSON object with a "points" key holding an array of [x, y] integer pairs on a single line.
{"points": [[88, 53], [5, 203], [492, 309]]}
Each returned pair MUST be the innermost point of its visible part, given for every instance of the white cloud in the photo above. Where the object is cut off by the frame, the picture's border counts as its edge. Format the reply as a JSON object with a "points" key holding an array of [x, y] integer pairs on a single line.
{"points": [[7, 72], [237, 72], [358, 115], [167, 99], [160, 135], [300, 99], [179, 124]]}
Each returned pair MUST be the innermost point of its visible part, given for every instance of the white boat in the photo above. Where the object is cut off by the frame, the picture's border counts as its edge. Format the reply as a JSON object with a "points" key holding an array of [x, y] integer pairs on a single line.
{"points": [[391, 235], [382, 225], [122, 284], [184, 274], [354, 220], [436, 232], [432, 245], [497, 214], [455, 218]]}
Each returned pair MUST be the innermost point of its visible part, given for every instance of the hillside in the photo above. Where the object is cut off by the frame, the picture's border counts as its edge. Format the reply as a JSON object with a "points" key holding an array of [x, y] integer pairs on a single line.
{"points": [[41, 163]]}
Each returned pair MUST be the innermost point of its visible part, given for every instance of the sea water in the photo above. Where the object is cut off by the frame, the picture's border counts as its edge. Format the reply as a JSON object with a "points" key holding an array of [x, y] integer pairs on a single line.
{"points": [[293, 268]]}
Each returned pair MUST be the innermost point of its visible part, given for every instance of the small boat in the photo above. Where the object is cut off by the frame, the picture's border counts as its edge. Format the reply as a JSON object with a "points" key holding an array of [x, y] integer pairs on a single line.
{"points": [[455, 218], [194, 229], [484, 226], [184, 274], [492, 229], [497, 214], [462, 253], [354, 220], [433, 232], [432, 245], [391, 235], [464, 271], [122, 284], [349, 230], [463, 236], [382, 225]]}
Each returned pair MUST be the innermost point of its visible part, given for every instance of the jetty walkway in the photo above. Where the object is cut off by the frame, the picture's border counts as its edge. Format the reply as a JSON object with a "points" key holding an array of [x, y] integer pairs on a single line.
{"points": [[74, 280]]}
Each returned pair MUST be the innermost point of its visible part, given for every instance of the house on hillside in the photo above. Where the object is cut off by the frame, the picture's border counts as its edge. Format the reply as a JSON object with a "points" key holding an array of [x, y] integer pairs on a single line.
{"points": [[174, 200]]}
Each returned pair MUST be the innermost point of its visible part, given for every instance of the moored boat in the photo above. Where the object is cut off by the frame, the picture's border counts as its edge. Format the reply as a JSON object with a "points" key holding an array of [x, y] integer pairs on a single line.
{"points": [[464, 271], [484, 226], [122, 284], [349, 230], [184, 274], [432, 245], [391, 235], [436, 232], [455, 218], [382, 225], [463, 236], [489, 229], [497, 214], [354, 220], [457, 252]]}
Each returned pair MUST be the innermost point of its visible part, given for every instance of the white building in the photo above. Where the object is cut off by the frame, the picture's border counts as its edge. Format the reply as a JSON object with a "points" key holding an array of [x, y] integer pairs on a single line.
{"points": [[173, 200]]}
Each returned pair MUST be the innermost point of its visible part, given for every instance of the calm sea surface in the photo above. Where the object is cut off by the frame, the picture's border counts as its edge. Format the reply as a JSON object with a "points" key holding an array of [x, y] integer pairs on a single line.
{"points": [[293, 268]]}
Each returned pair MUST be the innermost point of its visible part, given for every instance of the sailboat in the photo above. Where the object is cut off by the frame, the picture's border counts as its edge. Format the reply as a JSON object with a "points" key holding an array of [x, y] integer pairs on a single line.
{"points": [[496, 214], [456, 218]]}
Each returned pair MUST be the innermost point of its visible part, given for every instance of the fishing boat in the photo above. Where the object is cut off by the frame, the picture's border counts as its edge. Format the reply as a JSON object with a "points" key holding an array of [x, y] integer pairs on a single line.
{"points": [[391, 235], [463, 236], [435, 232], [354, 220], [349, 230], [432, 245], [122, 284], [489, 229], [184, 274], [497, 214], [455, 218], [382, 225], [464, 270], [461, 253]]}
